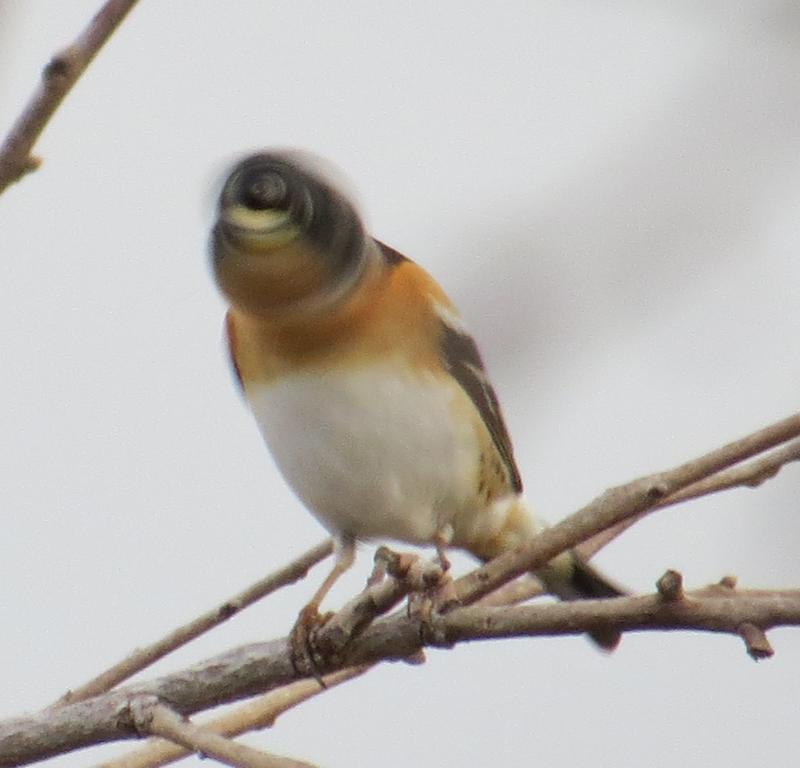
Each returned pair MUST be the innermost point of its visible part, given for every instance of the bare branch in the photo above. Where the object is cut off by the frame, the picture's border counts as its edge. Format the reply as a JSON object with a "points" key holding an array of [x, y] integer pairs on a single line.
{"points": [[408, 574], [264, 666], [58, 77], [261, 712], [520, 590], [726, 613], [749, 475], [153, 718], [261, 667], [144, 657], [617, 505]]}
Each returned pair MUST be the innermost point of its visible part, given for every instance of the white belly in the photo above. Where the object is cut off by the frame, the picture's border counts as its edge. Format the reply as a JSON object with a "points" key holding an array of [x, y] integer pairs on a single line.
{"points": [[374, 452]]}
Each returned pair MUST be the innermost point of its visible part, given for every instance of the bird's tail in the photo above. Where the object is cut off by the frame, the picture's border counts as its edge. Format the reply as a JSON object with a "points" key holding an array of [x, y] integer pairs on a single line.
{"points": [[568, 576]]}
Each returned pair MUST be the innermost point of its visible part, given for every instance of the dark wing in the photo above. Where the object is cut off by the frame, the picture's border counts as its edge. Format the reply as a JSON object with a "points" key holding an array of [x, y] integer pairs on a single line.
{"points": [[461, 357], [393, 257]]}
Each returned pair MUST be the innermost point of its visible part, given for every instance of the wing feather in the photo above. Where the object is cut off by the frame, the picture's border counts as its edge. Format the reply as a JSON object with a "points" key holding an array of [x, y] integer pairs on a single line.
{"points": [[461, 357]]}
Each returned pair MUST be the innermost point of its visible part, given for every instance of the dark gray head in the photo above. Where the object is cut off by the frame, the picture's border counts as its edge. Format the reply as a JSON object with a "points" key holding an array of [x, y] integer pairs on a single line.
{"points": [[285, 237]]}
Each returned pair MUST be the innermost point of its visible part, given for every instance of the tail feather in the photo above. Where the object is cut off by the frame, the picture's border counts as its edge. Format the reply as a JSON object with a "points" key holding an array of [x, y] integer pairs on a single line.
{"points": [[509, 523], [583, 582]]}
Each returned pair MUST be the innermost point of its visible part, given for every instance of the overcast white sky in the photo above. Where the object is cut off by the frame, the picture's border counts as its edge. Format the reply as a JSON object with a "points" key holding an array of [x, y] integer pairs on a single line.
{"points": [[610, 191]]}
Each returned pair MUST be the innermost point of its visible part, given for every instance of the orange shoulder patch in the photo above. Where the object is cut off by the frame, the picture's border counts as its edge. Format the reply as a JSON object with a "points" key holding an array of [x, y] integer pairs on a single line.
{"points": [[230, 336]]}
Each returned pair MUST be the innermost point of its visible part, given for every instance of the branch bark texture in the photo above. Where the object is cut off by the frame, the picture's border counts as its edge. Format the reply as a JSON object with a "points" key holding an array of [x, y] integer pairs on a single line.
{"points": [[58, 77], [259, 667], [617, 505]]}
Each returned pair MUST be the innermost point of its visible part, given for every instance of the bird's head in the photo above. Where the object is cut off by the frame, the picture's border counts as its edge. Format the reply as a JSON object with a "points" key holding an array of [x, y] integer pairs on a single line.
{"points": [[285, 238]]}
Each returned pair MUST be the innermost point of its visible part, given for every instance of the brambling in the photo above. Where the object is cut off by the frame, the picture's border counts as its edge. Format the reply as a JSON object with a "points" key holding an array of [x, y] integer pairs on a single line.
{"points": [[367, 387]]}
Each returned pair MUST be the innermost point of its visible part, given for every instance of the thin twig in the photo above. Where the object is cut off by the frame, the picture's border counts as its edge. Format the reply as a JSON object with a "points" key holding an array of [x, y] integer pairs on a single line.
{"points": [[619, 504], [520, 590], [58, 77], [749, 475], [699, 611], [144, 657], [261, 712], [264, 666], [260, 667], [156, 719], [409, 574]]}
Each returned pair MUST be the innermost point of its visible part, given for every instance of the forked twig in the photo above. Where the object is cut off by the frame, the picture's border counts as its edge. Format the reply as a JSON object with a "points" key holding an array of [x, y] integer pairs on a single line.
{"points": [[749, 475], [154, 718], [617, 505], [265, 666], [260, 712]]}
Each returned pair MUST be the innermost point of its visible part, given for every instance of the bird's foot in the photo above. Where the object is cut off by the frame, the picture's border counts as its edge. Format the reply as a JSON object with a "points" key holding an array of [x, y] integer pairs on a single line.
{"points": [[431, 589], [418, 574], [307, 657], [432, 592], [437, 597], [428, 605]]}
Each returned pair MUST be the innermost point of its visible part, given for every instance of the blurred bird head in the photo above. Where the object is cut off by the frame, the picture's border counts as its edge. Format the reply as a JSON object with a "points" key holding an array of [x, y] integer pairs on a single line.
{"points": [[285, 238]]}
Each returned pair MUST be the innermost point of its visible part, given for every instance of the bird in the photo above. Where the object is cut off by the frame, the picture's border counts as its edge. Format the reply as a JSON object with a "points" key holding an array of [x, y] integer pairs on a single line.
{"points": [[367, 387]]}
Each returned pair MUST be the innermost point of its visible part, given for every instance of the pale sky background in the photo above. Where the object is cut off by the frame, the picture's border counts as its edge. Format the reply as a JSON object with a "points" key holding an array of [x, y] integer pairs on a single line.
{"points": [[610, 191]]}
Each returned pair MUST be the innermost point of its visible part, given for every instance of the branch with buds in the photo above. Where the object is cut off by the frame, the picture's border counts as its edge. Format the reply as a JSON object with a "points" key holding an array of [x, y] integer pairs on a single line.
{"points": [[58, 77], [488, 603], [364, 633]]}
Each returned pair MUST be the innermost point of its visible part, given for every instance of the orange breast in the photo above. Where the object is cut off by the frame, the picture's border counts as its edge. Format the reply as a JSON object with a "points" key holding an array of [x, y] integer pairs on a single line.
{"points": [[388, 314]]}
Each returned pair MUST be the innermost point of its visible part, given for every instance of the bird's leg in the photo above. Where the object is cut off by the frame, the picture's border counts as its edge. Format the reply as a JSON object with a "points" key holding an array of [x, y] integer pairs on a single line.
{"points": [[441, 541], [440, 596], [445, 596], [380, 566], [301, 638]]}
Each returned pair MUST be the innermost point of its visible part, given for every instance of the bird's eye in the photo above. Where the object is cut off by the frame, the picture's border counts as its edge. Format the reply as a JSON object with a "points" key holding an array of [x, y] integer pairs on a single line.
{"points": [[263, 190]]}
